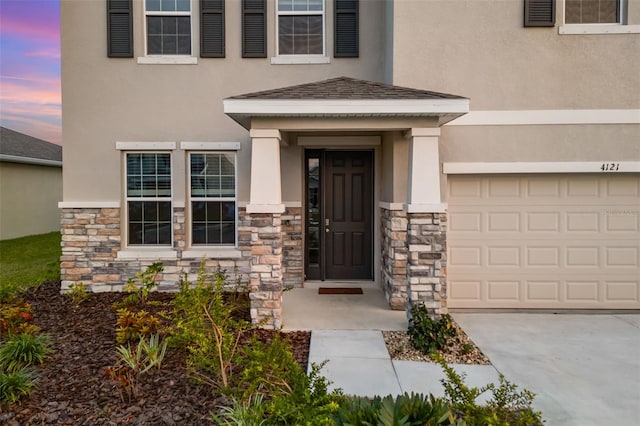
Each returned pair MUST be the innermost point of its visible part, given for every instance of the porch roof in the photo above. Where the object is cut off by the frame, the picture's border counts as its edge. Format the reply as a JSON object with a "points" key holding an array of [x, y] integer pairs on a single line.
{"points": [[345, 97]]}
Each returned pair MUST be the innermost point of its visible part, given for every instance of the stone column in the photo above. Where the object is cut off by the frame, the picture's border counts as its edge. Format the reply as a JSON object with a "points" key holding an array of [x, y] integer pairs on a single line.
{"points": [[264, 213], [426, 224], [394, 257]]}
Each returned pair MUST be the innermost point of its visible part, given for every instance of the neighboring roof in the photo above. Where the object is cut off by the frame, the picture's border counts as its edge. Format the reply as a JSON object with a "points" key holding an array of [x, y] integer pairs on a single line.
{"points": [[345, 97], [20, 148], [345, 88]]}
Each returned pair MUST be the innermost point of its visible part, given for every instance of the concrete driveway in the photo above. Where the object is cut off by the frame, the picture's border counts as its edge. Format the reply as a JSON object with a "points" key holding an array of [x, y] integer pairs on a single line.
{"points": [[584, 369]]}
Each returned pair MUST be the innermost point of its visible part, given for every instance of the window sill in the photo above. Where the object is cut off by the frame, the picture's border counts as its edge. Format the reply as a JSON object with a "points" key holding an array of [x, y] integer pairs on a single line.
{"points": [[598, 29], [300, 59], [147, 253], [212, 252], [167, 60]]}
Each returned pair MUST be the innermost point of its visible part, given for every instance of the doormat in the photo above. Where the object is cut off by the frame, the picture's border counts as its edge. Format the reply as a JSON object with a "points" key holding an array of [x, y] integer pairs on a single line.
{"points": [[340, 290]]}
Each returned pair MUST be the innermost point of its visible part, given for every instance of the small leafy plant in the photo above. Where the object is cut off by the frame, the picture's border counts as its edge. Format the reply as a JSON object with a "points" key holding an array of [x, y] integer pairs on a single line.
{"points": [[15, 385], [140, 287], [134, 325], [78, 293], [15, 318], [23, 350], [134, 362], [427, 334]]}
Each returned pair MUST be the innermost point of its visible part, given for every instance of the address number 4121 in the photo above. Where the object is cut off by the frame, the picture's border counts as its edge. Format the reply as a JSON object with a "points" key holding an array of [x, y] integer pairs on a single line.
{"points": [[610, 167]]}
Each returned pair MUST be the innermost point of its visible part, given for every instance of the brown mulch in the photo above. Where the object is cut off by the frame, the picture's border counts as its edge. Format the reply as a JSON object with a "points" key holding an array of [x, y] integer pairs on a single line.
{"points": [[72, 388], [460, 350]]}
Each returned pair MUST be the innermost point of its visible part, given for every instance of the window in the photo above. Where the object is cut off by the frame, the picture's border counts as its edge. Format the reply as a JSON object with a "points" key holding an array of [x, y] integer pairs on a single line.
{"points": [[592, 12], [213, 198], [301, 27], [168, 25], [149, 198]]}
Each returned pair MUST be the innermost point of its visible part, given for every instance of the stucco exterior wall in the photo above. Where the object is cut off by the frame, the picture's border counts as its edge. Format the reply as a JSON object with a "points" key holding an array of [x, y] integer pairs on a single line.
{"points": [[136, 102], [29, 197]]}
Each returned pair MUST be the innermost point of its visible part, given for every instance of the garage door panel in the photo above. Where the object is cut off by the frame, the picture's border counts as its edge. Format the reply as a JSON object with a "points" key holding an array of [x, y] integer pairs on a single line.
{"points": [[544, 241]]}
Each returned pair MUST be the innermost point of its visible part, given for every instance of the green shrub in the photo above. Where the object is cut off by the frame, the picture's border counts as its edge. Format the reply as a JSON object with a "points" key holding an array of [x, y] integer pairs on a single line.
{"points": [[14, 385], [407, 409], [78, 293], [507, 406], [429, 335], [140, 288], [206, 323], [134, 325], [23, 350]]}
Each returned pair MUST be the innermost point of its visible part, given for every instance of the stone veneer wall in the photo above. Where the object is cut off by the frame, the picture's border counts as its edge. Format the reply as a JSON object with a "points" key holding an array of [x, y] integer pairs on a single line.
{"points": [[270, 248], [393, 225], [292, 252], [427, 263]]}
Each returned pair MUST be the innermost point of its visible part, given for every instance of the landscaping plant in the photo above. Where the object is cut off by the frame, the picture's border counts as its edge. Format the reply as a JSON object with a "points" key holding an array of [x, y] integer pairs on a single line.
{"points": [[140, 287], [15, 317], [77, 293], [16, 384], [23, 350], [427, 334], [132, 326]]}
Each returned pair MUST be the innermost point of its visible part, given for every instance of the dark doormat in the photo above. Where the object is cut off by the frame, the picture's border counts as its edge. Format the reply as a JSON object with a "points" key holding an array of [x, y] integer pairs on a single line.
{"points": [[340, 290]]}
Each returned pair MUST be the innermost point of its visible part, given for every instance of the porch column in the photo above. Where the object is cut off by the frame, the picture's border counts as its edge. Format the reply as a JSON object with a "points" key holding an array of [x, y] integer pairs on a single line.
{"points": [[426, 224], [264, 216]]}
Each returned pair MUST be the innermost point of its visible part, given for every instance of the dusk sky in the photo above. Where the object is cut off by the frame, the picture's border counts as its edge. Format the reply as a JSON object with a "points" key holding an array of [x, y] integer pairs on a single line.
{"points": [[30, 68]]}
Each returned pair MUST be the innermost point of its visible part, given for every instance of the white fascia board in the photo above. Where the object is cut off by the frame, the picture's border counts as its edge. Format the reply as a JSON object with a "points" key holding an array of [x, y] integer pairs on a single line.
{"points": [[210, 146], [605, 167], [145, 146], [275, 107], [28, 160], [549, 116]]}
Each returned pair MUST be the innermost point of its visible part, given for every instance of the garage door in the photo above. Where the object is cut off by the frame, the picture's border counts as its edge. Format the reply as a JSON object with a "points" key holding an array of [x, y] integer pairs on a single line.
{"points": [[544, 241]]}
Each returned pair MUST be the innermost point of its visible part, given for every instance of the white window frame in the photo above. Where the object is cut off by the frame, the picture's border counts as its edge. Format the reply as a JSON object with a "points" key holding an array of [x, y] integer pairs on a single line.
{"points": [[301, 59], [127, 199], [166, 59], [211, 148], [621, 27]]}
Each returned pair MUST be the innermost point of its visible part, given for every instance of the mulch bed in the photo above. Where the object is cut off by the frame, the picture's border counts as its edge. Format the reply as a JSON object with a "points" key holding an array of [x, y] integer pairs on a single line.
{"points": [[72, 388]]}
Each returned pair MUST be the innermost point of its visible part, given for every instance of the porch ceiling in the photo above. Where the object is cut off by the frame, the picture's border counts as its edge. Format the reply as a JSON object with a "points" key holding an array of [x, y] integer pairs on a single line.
{"points": [[345, 97]]}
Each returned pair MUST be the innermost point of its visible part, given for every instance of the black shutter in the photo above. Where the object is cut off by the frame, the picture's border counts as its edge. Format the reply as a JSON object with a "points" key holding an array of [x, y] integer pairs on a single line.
{"points": [[254, 29], [346, 29], [539, 13], [119, 29], [212, 28]]}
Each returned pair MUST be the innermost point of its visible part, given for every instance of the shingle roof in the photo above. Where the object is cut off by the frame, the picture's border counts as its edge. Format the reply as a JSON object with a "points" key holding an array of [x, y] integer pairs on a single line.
{"points": [[346, 88], [20, 145]]}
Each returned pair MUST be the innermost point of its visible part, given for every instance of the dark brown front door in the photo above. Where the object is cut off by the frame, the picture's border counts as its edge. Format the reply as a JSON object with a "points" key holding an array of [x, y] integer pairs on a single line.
{"points": [[340, 222]]}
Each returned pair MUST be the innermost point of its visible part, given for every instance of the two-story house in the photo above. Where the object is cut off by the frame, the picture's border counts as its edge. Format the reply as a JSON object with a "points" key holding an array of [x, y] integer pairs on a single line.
{"points": [[459, 153]]}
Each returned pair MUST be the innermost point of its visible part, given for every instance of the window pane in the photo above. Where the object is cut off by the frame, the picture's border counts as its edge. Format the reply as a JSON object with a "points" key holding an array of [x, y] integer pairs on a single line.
{"points": [[300, 5], [213, 212], [227, 164], [168, 35], [285, 25], [150, 212], [591, 11], [316, 5], [197, 163], [133, 164], [315, 25], [135, 211], [315, 45], [229, 211], [169, 25], [150, 235], [184, 45], [152, 5], [135, 233], [285, 5], [183, 24], [148, 164], [198, 211], [199, 235], [169, 44], [154, 45], [183, 5], [168, 5], [164, 211], [228, 233]]}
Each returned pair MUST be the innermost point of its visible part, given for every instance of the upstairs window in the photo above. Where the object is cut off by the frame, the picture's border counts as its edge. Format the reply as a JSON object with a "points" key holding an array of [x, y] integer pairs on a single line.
{"points": [[592, 12], [301, 27], [168, 26], [213, 198], [149, 198]]}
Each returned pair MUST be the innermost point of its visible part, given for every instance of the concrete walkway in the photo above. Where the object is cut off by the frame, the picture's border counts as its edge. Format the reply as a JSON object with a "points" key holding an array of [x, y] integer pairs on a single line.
{"points": [[585, 369]]}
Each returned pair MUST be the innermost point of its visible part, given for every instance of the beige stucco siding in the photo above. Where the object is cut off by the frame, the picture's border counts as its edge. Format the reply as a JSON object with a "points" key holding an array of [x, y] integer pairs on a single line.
{"points": [[135, 102], [29, 197], [480, 49]]}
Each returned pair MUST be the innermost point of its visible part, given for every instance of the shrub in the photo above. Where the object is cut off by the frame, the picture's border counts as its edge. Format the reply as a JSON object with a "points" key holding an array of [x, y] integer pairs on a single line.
{"points": [[429, 335], [23, 350], [506, 407], [140, 288], [407, 409], [77, 293], [134, 325], [207, 325], [15, 318], [14, 385]]}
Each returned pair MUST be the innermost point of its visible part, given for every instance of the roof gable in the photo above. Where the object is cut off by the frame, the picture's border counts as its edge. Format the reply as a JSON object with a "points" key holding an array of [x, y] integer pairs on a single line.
{"points": [[18, 145]]}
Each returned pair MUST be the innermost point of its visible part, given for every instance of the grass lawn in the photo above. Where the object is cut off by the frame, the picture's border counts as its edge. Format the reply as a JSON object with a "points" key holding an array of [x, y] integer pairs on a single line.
{"points": [[29, 261]]}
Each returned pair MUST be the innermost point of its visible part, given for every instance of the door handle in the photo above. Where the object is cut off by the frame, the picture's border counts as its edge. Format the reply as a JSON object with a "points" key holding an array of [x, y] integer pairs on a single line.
{"points": [[326, 225]]}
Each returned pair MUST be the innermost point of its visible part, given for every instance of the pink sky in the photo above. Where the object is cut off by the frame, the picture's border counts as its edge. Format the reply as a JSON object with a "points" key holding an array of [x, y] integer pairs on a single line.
{"points": [[30, 68]]}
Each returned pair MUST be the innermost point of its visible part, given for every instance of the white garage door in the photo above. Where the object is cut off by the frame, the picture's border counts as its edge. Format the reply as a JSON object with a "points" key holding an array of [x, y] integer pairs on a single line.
{"points": [[544, 241]]}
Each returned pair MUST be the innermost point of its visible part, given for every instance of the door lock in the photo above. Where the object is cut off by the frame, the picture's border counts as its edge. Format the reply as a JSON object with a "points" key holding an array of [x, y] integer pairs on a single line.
{"points": [[326, 224]]}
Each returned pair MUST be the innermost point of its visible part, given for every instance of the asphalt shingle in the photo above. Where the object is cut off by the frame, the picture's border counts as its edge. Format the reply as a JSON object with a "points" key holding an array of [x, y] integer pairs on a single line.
{"points": [[21, 145]]}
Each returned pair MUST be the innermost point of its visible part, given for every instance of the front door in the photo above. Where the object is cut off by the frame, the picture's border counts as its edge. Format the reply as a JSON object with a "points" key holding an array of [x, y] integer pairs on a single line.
{"points": [[339, 225]]}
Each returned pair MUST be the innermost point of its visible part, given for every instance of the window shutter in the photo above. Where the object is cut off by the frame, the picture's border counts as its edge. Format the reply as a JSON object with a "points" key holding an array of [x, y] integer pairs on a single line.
{"points": [[254, 29], [212, 29], [346, 29], [539, 13], [119, 29]]}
